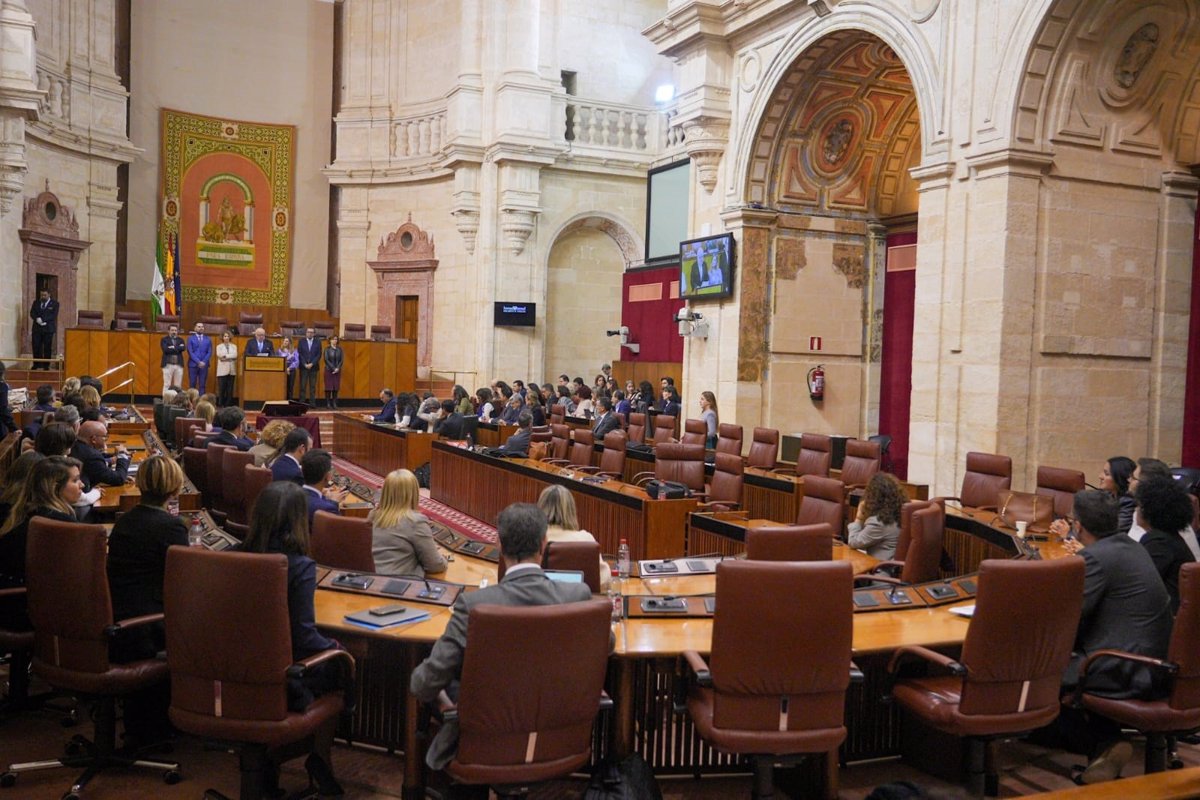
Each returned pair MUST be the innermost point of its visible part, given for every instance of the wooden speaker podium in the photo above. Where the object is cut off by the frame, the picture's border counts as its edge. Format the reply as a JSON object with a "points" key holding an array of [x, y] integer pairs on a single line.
{"points": [[264, 378]]}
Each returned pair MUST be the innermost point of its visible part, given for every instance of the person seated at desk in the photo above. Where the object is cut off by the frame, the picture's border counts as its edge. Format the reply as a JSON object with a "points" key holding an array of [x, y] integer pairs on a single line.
{"points": [[876, 529], [513, 405], [621, 405], [562, 521], [450, 422], [533, 404], [89, 450], [317, 469], [388, 414], [230, 420], [279, 524], [522, 531], [207, 412], [1125, 607], [486, 410], [137, 562], [14, 482], [670, 402], [270, 442], [1147, 467], [1163, 510], [406, 410], [462, 401], [583, 405], [606, 420], [44, 405], [288, 466], [51, 490], [260, 345], [517, 445], [401, 538]]}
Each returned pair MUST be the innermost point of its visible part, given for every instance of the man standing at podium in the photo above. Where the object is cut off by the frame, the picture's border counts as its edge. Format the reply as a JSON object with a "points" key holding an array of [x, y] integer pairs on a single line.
{"points": [[309, 351], [44, 314], [199, 350], [260, 345]]}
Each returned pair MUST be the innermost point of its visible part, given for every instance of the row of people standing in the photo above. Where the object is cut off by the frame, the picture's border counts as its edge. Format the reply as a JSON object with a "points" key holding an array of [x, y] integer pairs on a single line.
{"points": [[309, 356]]}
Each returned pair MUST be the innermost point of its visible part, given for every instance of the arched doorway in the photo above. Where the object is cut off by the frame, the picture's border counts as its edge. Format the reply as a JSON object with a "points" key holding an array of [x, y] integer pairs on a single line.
{"points": [[830, 170]]}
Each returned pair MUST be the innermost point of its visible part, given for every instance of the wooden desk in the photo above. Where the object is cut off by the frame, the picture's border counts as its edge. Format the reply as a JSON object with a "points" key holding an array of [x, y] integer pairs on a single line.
{"points": [[973, 534], [378, 447], [483, 486], [121, 498], [263, 378], [133, 422]]}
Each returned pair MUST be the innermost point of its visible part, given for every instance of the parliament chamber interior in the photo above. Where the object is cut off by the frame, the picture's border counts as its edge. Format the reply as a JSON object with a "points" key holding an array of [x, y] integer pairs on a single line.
{"points": [[675, 399]]}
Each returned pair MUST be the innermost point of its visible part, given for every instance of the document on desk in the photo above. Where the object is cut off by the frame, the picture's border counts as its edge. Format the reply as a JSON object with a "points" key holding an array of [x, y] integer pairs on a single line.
{"points": [[964, 611]]}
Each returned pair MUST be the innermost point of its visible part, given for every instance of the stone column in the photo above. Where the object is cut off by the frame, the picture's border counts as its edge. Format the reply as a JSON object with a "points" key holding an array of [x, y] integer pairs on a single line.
{"points": [[354, 277], [873, 325]]}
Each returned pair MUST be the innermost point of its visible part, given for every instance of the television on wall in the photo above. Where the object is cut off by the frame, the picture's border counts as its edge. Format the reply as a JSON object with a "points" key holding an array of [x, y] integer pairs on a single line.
{"points": [[515, 315], [706, 267]]}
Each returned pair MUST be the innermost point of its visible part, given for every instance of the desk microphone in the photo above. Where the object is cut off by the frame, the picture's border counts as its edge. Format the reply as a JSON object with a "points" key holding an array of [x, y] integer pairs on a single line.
{"points": [[1088, 485]]}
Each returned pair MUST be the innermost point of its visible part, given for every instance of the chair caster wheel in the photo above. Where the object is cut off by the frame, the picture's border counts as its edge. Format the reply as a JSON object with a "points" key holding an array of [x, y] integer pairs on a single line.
{"points": [[8, 780], [172, 777]]}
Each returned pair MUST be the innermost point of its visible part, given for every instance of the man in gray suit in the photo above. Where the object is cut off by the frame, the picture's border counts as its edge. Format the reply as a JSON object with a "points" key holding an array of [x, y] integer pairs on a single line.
{"points": [[522, 529], [606, 420], [517, 445], [1125, 607]]}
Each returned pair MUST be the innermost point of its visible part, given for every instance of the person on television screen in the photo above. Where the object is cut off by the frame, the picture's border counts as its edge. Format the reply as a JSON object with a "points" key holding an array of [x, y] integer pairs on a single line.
{"points": [[717, 263]]}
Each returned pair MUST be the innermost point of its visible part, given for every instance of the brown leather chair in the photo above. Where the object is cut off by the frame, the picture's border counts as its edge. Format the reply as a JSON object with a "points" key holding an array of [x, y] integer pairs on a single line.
{"points": [[764, 449], [582, 448], [230, 658], [612, 458], [636, 428], [986, 477], [681, 463], [906, 512], [861, 463], [558, 415], [72, 631], [540, 433], [247, 322], [816, 454], [291, 327], [923, 550], [195, 467], [324, 328], [179, 429], [729, 439], [342, 542], [529, 670], [725, 490], [1060, 485], [381, 333], [664, 428], [257, 479], [354, 330], [824, 501], [164, 321], [695, 431], [129, 320], [18, 646], [574, 556], [214, 482], [790, 543], [766, 692], [1178, 713], [89, 319], [560, 441], [218, 324], [233, 490], [1008, 678]]}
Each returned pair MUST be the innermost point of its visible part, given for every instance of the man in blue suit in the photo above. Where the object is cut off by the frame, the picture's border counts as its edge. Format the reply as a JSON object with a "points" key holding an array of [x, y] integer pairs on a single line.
{"points": [[199, 350], [317, 466], [287, 466], [389, 408], [309, 351]]}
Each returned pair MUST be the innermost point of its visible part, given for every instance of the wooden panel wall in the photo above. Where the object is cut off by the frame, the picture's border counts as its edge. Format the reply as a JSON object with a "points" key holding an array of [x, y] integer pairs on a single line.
{"points": [[369, 366], [272, 315], [652, 371]]}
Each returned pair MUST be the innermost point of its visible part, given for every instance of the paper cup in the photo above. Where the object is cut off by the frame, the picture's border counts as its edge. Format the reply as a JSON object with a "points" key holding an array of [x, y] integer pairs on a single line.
{"points": [[1021, 526]]}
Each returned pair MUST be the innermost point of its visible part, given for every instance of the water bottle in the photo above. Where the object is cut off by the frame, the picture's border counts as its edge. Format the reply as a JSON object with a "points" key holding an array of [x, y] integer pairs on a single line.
{"points": [[196, 533], [616, 600], [623, 560]]}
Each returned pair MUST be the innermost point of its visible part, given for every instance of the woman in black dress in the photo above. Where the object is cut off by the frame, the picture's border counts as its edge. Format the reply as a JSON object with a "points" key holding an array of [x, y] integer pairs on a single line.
{"points": [[334, 355]]}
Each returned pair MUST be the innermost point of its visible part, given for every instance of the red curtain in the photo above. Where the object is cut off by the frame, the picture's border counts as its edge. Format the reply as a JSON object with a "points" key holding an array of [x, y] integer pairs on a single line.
{"points": [[895, 388], [1191, 397]]}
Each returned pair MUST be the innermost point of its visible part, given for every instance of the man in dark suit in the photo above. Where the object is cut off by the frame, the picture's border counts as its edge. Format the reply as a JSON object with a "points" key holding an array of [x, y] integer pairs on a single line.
{"points": [[309, 351], [287, 466], [229, 420], [450, 422], [199, 350], [317, 467], [517, 445], [389, 408], [44, 313], [1125, 607], [606, 420], [522, 530], [260, 345], [174, 350], [89, 449]]}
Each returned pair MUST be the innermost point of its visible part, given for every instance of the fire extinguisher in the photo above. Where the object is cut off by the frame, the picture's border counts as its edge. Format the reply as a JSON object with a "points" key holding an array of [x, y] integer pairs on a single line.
{"points": [[816, 382]]}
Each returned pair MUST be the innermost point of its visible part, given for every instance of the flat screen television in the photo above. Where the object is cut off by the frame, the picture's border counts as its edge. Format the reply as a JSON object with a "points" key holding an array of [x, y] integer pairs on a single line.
{"points": [[515, 315], [706, 267]]}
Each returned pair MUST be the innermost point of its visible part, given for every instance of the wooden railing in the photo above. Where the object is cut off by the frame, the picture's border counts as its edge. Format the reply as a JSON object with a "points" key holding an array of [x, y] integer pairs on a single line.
{"points": [[128, 365]]}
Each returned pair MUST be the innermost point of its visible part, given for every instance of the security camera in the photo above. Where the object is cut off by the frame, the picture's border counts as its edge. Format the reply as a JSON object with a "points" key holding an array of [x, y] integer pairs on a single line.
{"points": [[622, 331]]}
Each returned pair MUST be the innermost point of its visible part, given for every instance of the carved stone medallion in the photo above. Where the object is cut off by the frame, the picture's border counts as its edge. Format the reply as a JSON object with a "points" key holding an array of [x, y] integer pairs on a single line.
{"points": [[1135, 55]]}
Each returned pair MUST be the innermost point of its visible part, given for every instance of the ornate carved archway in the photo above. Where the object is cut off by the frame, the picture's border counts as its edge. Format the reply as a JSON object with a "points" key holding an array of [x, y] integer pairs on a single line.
{"points": [[404, 267], [50, 248]]}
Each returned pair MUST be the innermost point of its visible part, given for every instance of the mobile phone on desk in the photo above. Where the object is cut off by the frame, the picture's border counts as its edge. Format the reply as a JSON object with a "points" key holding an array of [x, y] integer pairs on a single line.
{"points": [[387, 611]]}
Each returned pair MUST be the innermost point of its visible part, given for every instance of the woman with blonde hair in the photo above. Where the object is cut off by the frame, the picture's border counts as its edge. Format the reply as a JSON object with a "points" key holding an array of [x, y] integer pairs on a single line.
{"points": [[91, 398], [563, 524], [877, 527], [270, 442], [206, 411], [401, 538], [193, 397], [71, 386]]}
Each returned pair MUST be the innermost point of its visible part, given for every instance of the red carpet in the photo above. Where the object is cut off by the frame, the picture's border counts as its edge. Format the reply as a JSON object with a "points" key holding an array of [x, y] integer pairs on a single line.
{"points": [[455, 520]]}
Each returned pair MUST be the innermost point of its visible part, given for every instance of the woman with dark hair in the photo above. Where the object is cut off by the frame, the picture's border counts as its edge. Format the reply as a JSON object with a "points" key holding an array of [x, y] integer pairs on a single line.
{"points": [[1164, 509], [279, 524], [670, 402], [6, 417], [877, 527], [1114, 479], [486, 409], [533, 404], [334, 357], [462, 401], [564, 399], [14, 482], [644, 400], [584, 407]]}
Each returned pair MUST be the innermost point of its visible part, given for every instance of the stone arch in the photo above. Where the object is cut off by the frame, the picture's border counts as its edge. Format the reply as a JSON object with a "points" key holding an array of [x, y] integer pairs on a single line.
{"points": [[620, 231], [896, 32]]}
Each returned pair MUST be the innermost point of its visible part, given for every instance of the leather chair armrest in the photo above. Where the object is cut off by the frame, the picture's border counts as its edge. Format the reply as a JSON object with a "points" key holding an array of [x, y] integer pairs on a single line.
{"points": [[606, 702], [612, 475], [132, 622], [641, 477], [926, 654], [589, 470], [1169, 667], [299, 668], [882, 565], [988, 508], [699, 667], [784, 471], [13, 591], [718, 505], [856, 674], [558, 462], [944, 500]]}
